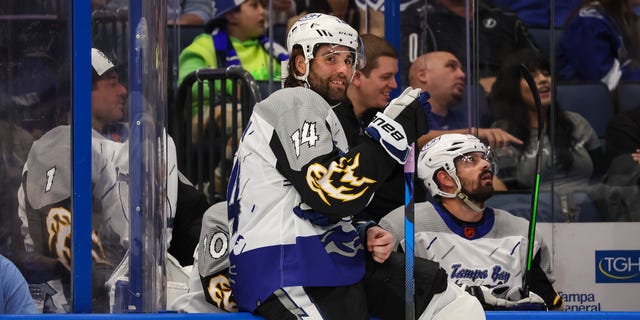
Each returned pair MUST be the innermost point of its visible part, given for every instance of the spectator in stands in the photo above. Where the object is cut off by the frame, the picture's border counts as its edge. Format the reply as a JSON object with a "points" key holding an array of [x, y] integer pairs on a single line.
{"points": [[601, 42], [440, 75], [470, 240], [186, 12], [233, 37], [441, 25], [343, 9], [618, 196], [372, 15], [14, 291], [197, 12], [190, 12], [369, 93], [577, 150], [537, 13]]}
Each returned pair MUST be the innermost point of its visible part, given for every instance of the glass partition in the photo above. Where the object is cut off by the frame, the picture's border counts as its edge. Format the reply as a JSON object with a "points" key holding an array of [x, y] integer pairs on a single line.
{"points": [[132, 172], [35, 167], [589, 169], [485, 36]]}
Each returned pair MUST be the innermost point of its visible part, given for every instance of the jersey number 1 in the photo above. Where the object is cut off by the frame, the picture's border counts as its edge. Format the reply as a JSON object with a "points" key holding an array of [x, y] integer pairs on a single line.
{"points": [[50, 174]]}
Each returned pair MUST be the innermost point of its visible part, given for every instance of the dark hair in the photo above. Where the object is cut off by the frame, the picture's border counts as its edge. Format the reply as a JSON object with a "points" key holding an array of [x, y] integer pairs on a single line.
{"points": [[506, 104], [219, 23], [291, 81], [376, 47]]}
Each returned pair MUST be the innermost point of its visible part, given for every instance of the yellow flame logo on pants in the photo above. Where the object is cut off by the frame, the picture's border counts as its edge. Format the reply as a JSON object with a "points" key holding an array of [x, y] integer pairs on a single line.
{"points": [[219, 291], [338, 181]]}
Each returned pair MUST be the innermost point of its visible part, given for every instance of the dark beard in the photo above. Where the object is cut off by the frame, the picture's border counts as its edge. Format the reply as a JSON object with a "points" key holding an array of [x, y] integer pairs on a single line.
{"points": [[481, 193], [323, 88]]}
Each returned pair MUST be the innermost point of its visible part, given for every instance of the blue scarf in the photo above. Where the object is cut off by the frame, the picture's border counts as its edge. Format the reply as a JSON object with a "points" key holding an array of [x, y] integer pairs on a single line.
{"points": [[226, 53]]}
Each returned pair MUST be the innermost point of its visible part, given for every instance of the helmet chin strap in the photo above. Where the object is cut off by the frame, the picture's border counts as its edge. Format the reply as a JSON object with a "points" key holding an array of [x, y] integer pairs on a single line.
{"points": [[305, 76], [469, 203], [465, 198]]}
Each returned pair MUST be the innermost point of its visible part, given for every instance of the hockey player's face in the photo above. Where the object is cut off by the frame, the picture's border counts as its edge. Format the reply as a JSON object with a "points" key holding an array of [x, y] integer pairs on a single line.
{"points": [[476, 177], [330, 72], [107, 101]]}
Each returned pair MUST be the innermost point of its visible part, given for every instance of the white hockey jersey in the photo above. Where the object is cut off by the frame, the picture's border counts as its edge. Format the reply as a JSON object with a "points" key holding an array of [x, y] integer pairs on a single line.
{"points": [[490, 253], [45, 212], [45, 203], [293, 189]]}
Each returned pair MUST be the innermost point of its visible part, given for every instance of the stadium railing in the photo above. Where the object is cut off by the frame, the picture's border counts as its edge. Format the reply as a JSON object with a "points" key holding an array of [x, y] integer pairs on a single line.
{"points": [[206, 137]]}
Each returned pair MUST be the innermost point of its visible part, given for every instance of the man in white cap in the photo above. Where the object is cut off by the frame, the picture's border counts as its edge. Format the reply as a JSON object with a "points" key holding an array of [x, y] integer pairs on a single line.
{"points": [[45, 199], [108, 95], [45, 195]]}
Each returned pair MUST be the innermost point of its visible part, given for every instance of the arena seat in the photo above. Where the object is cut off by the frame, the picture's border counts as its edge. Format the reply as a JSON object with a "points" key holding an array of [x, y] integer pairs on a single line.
{"points": [[592, 100], [519, 204], [628, 95], [542, 39], [585, 207]]}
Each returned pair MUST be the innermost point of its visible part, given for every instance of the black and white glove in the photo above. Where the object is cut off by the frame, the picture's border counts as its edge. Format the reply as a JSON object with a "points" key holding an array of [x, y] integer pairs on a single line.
{"points": [[495, 299], [395, 127]]}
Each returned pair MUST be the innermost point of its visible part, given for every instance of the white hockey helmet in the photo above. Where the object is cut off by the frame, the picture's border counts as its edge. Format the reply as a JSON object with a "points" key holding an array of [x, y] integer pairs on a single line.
{"points": [[317, 28], [440, 153]]}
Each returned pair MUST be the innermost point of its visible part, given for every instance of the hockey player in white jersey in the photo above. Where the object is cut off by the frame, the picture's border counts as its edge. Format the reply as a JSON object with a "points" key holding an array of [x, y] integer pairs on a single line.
{"points": [[45, 211], [296, 184], [483, 249], [209, 288], [45, 197]]}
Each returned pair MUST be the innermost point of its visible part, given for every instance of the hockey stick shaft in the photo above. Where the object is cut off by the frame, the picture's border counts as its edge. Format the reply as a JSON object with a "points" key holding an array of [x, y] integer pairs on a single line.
{"points": [[409, 170], [526, 74]]}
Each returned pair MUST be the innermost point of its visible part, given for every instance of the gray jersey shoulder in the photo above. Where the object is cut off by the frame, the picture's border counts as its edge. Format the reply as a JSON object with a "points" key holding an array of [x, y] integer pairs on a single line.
{"points": [[428, 219], [304, 123], [49, 168]]}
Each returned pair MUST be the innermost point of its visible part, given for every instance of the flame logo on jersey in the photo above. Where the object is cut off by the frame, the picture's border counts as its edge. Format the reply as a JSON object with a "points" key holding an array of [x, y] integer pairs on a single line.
{"points": [[219, 291], [338, 181], [59, 230]]}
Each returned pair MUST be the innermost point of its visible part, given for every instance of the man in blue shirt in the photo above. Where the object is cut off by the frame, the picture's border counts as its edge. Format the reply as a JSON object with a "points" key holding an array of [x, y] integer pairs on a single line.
{"points": [[14, 291], [440, 74]]}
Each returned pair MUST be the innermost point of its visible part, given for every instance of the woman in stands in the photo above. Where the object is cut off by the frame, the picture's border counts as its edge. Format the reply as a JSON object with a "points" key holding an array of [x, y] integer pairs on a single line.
{"points": [[601, 42], [577, 154]]}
